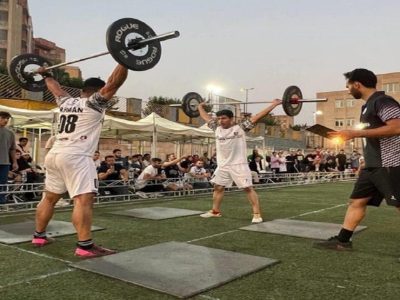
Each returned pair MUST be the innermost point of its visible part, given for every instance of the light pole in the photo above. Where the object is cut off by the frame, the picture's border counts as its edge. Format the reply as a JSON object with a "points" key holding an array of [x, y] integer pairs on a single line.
{"points": [[247, 96], [315, 114], [213, 90]]}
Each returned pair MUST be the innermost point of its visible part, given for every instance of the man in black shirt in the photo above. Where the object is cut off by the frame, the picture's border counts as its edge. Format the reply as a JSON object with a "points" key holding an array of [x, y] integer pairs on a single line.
{"points": [[341, 160], [379, 179], [110, 171]]}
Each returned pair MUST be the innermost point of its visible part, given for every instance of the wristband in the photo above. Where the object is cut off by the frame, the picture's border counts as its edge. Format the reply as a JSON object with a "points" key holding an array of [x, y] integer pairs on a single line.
{"points": [[47, 75]]}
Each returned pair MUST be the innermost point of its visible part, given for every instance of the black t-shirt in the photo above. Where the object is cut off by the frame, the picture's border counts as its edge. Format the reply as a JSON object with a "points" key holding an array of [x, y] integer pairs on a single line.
{"points": [[114, 176], [290, 159], [172, 171], [380, 152], [341, 159], [331, 161], [123, 162], [309, 159]]}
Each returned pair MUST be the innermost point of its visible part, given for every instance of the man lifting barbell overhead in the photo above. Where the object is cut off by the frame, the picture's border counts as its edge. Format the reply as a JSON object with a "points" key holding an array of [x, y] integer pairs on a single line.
{"points": [[379, 179], [230, 139], [69, 164]]}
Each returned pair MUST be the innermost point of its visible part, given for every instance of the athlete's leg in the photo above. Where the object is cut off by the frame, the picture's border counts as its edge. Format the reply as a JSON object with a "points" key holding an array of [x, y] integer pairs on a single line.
{"points": [[252, 196], [218, 196], [45, 210], [82, 215], [355, 213]]}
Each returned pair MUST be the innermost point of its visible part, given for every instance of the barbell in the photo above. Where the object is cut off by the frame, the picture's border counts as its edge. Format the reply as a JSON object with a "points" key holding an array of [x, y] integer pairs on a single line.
{"points": [[132, 43], [292, 102]]}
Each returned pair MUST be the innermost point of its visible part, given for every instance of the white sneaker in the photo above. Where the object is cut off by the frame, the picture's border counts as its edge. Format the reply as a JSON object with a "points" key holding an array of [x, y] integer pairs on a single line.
{"points": [[211, 214], [142, 194], [62, 202], [256, 219]]}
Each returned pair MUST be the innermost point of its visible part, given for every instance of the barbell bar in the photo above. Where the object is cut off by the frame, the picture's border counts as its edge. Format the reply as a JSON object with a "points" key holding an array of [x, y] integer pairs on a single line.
{"points": [[133, 45], [292, 102], [131, 42]]}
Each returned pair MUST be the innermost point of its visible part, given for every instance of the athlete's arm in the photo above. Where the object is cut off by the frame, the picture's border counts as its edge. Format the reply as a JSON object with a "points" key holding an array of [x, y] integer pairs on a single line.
{"points": [[52, 84], [203, 114], [114, 82], [254, 119]]}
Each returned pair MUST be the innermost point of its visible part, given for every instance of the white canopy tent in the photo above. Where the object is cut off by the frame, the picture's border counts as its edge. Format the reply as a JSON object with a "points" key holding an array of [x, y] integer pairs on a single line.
{"points": [[152, 128]]}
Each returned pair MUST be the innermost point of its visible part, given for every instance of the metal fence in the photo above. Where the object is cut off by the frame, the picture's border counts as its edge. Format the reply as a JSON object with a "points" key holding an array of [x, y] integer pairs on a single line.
{"points": [[16, 193]]}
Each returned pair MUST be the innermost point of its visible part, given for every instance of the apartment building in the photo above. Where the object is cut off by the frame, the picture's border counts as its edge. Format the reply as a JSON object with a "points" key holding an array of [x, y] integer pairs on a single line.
{"points": [[342, 111], [16, 34]]}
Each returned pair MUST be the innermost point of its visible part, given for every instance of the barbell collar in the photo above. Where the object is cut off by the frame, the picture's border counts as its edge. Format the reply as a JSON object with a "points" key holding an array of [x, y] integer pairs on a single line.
{"points": [[138, 44]]}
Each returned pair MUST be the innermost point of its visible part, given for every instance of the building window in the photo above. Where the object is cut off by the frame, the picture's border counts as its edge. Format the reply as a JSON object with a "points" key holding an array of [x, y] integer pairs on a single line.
{"points": [[350, 122], [3, 54], [350, 102], [3, 17], [339, 103], [339, 123], [391, 87], [3, 35]]}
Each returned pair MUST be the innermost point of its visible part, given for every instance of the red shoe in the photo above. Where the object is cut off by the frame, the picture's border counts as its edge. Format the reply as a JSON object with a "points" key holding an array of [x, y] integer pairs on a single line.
{"points": [[41, 242], [95, 251]]}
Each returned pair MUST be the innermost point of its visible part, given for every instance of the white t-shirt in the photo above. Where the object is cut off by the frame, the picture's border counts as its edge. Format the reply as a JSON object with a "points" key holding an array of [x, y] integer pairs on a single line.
{"points": [[79, 124], [198, 171], [230, 143], [140, 182]]}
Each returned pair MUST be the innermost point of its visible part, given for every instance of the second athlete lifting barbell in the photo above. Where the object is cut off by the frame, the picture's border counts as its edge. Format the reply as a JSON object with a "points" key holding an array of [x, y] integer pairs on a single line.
{"points": [[292, 102]]}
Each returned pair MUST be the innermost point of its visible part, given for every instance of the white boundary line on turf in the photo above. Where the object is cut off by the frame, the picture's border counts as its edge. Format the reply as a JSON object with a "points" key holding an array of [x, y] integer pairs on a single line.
{"points": [[296, 216], [39, 277], [37, 254], [317, 211], [210, 236]]}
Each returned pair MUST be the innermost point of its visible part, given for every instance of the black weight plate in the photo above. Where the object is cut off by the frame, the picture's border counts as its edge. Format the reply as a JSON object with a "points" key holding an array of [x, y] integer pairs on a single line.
{"points": [[290, 108], [190, 103], [121, 32], [20, 68]]}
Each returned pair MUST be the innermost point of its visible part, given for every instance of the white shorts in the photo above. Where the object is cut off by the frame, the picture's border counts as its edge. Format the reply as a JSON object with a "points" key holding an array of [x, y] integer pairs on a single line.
{"points": [[240, 174], [73, 173]]}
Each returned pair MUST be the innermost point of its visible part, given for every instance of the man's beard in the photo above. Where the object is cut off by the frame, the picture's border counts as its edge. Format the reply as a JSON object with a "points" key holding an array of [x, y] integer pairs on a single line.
{"points": [[356, 94]]}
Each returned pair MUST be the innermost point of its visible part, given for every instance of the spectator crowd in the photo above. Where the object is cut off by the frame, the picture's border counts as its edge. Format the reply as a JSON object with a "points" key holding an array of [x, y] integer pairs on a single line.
{"points": [[118, 174]]}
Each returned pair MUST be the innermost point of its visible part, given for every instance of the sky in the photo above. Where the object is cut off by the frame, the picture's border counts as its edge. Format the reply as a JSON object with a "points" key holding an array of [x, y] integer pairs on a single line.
{"points": [[262, 44]]}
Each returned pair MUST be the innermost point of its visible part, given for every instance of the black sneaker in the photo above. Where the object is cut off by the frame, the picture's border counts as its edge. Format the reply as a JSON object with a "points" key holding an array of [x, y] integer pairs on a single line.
{"points": [[334, 244]]}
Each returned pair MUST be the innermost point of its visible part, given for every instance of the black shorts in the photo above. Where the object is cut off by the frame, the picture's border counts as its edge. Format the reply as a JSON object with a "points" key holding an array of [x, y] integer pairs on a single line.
{"points": [[379, 184]]}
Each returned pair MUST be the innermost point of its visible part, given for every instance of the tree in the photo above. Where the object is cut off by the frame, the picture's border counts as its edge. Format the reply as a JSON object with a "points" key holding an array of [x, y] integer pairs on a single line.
{"points": [[61, 76], [75, 83], [159, 105], [299, 127], [269, 120]]}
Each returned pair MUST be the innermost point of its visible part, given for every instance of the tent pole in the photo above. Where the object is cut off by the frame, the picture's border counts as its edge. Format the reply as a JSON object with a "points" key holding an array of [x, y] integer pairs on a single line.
{"points": [[39, 146], [154, 142]]}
